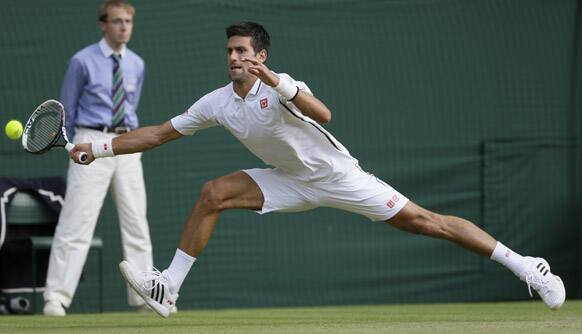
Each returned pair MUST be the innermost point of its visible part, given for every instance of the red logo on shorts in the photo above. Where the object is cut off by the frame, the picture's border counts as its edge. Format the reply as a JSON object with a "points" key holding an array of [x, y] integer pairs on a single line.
{"points": [[105, 147], [390, 204], [264, 103], [395, 198]]}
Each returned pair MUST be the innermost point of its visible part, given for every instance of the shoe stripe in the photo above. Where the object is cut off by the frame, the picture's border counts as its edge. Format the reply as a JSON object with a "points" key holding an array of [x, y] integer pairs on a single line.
{"points": [[153, 288], [162, 294], [157, 291], [545, 272]]}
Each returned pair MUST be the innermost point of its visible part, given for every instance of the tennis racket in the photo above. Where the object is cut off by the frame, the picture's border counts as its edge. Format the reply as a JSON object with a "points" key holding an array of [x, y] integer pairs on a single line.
{"points": [[45, 129]]}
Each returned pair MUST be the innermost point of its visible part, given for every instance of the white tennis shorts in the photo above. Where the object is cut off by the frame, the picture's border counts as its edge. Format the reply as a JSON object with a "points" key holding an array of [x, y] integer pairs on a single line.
{"points": [[357, 192]]}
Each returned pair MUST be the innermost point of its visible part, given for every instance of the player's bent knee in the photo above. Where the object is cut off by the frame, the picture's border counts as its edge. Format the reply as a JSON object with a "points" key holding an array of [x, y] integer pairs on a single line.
{"points": [[211, 197]]}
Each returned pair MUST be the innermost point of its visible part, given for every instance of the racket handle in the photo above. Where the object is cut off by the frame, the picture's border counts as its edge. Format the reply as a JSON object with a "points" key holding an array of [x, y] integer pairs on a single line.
{"points": [[82, 155]]}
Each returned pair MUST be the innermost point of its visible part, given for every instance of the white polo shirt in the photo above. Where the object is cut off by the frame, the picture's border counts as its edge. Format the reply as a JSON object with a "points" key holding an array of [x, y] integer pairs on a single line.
{"points": [[272, 129]]}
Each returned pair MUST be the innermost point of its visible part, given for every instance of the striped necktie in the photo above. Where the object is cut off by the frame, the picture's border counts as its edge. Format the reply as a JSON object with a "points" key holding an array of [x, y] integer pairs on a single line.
{"points": [[117, 93]]}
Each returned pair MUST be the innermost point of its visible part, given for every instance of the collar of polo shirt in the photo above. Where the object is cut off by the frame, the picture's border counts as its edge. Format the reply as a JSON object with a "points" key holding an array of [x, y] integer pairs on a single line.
{"points": [[254, 90]]}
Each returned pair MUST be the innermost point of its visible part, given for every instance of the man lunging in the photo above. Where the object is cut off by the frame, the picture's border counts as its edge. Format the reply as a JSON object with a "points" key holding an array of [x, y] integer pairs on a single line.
{"points": [[278, 119]]}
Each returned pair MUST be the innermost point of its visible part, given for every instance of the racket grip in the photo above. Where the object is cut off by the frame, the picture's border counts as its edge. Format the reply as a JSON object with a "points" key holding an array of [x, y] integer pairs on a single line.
{"points": [[82, 155]]}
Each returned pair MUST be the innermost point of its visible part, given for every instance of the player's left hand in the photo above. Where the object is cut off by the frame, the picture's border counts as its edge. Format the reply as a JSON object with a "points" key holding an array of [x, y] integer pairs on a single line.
{"points": [[261, 71]]}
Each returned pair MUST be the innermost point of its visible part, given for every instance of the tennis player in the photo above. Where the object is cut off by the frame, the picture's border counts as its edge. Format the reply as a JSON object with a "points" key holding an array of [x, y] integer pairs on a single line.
{"points": [[279, 120]]}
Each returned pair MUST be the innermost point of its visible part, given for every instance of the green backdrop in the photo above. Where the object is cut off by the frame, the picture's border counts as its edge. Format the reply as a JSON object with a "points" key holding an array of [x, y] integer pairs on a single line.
{"points": [[468, 107]]}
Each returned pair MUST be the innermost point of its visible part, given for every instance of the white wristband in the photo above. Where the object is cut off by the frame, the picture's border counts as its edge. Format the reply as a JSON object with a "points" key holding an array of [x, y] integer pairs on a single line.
{"points": [[286, 90], [102, 148]]}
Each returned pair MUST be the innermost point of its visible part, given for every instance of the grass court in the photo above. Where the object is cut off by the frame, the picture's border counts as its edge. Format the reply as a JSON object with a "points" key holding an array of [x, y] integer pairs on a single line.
{"points": [[511, 317]]}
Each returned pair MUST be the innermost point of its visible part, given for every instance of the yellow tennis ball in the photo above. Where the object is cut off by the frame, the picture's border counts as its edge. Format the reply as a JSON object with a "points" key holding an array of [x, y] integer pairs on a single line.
{"points": [[13, 129]]}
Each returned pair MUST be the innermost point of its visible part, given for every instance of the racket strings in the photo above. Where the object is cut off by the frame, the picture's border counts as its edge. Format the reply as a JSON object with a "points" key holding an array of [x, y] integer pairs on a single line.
{"points": [[45, 127]]}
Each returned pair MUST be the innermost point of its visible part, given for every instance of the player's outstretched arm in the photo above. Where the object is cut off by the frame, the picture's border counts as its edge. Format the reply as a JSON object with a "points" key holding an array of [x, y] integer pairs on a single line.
{"points": [[145, 138], [138, 140], [308, 104]]}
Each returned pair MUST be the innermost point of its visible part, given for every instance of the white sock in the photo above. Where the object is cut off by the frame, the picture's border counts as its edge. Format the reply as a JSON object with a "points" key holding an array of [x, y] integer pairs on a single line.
{"points": [[178, 270], [510, 259]]}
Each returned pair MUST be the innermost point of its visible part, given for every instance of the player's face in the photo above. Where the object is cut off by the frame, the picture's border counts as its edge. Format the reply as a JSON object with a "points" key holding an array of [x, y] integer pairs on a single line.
{"points": [[238, 47], [118, 27]]}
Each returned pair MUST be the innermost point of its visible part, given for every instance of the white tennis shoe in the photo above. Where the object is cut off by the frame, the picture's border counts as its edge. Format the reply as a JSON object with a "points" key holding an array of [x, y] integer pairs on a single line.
{"points": [[53, 308], [152, 286], [550, 287]]}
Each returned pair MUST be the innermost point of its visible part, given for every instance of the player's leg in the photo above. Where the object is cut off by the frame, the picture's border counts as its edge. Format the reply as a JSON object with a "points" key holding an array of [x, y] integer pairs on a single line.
{"points": [[233, 191], [415, 219], [160, 290], [129, 193], [534, 271], [363, 193], [86, 190]]}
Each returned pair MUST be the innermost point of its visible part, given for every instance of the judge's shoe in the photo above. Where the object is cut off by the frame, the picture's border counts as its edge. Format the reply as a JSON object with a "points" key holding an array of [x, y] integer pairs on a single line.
{"points": [[53, 308]]}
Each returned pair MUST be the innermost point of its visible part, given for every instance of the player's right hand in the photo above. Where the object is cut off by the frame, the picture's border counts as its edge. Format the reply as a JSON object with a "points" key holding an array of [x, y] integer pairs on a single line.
{"points": [[84, 147]]}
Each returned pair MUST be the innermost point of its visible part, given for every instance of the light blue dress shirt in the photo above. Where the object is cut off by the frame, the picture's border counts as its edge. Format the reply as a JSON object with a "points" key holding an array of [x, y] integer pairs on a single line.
{"points": [[86, 91]]}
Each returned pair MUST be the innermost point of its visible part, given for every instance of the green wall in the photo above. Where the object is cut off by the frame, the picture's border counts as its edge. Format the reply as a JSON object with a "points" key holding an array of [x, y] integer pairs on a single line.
{"points": [[468, 107]]}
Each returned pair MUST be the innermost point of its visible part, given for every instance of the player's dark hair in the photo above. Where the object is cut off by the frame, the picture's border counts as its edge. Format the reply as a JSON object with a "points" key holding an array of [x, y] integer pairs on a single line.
{"points": [[259, 36]]}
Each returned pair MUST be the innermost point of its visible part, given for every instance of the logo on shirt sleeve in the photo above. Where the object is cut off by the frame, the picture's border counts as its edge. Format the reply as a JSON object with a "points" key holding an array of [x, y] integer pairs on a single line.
{"points": [[391, 203], [264, 103]]}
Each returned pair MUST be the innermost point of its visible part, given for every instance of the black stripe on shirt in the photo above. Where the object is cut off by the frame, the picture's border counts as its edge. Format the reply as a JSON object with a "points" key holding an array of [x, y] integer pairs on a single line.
{"points": [[259, 87], [315, 126]]}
